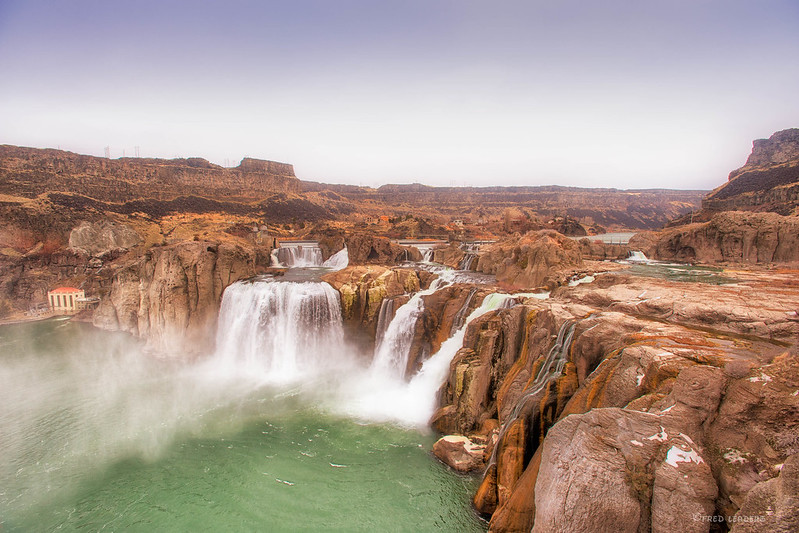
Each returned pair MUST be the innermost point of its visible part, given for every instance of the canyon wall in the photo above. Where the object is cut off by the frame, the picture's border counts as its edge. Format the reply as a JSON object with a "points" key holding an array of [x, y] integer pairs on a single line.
{"points": [[29, 172], [729, 237], [170, 296]]}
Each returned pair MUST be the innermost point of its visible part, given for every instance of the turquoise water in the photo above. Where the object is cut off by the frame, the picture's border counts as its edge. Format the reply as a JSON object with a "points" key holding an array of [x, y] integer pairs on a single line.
{"points": [[96, 435], [678, 272]]}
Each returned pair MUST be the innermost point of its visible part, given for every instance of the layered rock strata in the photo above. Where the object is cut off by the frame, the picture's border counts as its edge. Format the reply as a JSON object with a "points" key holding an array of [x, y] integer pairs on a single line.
{"points": [[170, 296]]}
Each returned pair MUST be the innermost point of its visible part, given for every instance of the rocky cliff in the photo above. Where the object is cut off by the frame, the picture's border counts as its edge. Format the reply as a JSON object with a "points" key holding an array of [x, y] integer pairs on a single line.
{"points": [[29, 172], [630, 404], [729, 237], [769, 181], [170, 296]]}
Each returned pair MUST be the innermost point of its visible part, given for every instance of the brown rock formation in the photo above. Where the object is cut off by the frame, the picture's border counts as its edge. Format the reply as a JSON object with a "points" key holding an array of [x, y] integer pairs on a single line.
{"points": [[365, 248], [684, 358], [734, 237], [102, 237], [459, 453], [171, 295], [769, 181], [772, 505], [363, 289], [536, 259]]}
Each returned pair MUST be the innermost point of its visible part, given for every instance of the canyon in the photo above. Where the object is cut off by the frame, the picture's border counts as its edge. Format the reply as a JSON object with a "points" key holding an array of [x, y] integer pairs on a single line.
{"points": [[587, 394]]}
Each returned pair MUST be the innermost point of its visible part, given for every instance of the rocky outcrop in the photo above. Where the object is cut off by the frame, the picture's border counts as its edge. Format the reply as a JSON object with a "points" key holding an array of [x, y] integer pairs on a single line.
{"points": [[99, 238], [170, 296], [365, 248], [459, 453], [537, 259], [769, 181], [363, 289], [734, 237], [651, 476], [659, 404], [772, 505]]}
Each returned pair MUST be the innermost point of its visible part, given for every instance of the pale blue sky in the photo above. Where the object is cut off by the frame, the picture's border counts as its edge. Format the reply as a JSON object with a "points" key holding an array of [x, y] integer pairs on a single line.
{"points": [[628, 94]]}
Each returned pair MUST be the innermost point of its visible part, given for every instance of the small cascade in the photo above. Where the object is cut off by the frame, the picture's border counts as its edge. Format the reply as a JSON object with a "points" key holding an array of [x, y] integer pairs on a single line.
{"points": [[433, 373], [391, 354], [427, 255], [338, 261], [384, 318], [385, 396], [298, 255], [278, 331], [551, 368], [468, 261], [275, 262], [636, 256], [460, 317]]}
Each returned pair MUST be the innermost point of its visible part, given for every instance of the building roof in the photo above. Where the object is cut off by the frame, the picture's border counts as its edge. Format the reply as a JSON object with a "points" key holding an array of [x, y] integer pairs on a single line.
{"points": [[65, 290]]}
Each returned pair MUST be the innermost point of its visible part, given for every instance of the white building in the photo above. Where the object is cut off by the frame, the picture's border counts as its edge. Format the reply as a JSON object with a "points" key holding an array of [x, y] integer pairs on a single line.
{"points": [[65, 299]]}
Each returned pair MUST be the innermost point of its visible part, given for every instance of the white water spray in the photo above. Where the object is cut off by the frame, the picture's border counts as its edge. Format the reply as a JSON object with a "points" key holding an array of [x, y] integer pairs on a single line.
{"points": [[338, 261], [278, 331]]}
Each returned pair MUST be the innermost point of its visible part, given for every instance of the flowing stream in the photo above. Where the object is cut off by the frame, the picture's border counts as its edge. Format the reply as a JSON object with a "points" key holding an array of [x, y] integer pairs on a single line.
{"points": [[285, 427]]}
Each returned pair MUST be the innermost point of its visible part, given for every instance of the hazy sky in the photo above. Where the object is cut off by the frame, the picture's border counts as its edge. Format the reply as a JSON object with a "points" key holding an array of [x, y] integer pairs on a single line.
{"points": [[628, 94]]}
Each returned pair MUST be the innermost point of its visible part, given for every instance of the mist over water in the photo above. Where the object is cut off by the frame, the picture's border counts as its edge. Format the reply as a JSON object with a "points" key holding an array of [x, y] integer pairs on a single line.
{"points": [[96, 433]]}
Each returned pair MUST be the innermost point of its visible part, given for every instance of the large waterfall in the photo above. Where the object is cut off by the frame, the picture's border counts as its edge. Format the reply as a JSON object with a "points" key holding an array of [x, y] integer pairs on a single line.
{"points": [[291, 332], [279, 331]]}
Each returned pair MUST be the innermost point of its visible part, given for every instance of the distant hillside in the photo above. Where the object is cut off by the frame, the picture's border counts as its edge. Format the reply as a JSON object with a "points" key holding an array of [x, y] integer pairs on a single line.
{"points": [[769, 181], [634, 209], [29, 172]]}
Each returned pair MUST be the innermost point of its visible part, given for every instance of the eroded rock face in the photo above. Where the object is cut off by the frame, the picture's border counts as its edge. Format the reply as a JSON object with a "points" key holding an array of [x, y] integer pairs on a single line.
{"points": [[769, 181], [630, 459], [171, 295], [363, 289], [702, 361], [734, 237], [537, 259], [772, 505], [98, 238]]}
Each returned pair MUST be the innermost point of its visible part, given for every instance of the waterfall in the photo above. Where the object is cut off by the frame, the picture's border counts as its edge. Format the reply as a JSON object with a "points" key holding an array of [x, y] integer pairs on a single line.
{"points": [[636, 256], [299, 255], [384, 318], [434, 370], [468, 261], [382, 396], [427, 256], [278, 331], [391, 354], [338, 261], [460, 317]]}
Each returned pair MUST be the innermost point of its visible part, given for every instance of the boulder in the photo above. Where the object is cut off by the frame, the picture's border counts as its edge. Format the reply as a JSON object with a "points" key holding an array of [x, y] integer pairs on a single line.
{"points": [[459, 453], [649, 475]]}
